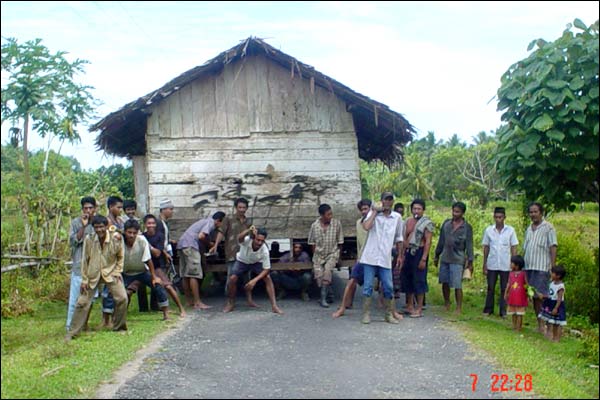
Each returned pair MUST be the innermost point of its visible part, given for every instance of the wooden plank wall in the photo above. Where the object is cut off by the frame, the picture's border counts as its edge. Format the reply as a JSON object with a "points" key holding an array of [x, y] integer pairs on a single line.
{"points": [[254, 131]]}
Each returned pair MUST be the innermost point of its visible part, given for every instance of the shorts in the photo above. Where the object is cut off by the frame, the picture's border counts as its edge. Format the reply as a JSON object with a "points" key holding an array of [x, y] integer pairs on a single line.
{"points": [[358, 273], [451, 274], [240, 268], [515, 310], [190, 263], [540, 280], [412, 279]]}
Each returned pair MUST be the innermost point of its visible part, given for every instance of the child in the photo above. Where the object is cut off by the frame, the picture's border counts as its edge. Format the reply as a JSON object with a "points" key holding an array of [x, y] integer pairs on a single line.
{"points": [[553, 309], [516, 293]]}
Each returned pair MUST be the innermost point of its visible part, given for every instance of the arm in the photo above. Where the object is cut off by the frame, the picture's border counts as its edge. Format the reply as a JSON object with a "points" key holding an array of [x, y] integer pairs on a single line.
{"points": [[84, 220], [470, 247], [155, 279], [370, 220], [245, 233], [220, 237], [486, 253], [120, 260], [440, 246], [423, 262], [559, 299], [250, 285], [553, 255], [400, 257], [85, 281]]}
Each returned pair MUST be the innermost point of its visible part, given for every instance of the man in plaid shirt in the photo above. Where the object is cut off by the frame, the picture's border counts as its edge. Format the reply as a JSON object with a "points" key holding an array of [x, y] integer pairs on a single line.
{"points": [[326, 238]]}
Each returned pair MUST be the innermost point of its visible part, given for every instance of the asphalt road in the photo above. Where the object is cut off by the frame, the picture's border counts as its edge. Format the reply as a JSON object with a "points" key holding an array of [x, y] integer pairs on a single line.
{"points": [[305, 353]]}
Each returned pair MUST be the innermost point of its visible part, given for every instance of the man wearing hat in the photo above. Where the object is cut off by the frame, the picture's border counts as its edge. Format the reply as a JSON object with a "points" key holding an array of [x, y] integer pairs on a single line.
{"points": [[166, 212], [385, 231]]}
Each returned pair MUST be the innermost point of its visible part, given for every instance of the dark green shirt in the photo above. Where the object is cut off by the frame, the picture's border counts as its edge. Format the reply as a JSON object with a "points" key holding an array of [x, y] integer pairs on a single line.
{"points": [[455, 247]]}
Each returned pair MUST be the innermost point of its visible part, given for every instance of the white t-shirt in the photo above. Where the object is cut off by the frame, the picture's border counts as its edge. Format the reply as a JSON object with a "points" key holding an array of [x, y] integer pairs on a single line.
{"points": [[247, 255], [500, 244], [386, 231]]}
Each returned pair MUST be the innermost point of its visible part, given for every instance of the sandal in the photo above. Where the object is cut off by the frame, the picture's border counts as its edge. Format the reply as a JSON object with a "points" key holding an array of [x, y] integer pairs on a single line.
{"points": [[414, 315]]}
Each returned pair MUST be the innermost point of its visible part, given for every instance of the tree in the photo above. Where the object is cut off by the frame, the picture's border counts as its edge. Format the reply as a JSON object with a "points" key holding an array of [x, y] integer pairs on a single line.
{"points": [[415, 178], [41, 88], [548, 144]]}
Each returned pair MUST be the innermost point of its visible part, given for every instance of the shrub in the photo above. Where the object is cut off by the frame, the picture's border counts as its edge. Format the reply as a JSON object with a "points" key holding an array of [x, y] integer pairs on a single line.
{"points": [[581, 282]]}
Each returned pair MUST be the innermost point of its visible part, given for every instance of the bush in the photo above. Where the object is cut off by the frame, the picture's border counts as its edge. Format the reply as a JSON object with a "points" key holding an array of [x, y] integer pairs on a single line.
{"points": [[581, 282], [22, 288]]}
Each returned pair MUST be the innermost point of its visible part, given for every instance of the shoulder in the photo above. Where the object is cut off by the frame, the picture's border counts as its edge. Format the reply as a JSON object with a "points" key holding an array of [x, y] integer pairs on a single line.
{"points": [[548, 226]]}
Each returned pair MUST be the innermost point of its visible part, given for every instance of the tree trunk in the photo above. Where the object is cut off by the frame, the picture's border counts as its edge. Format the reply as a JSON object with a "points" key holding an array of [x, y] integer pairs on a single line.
{"points": [[26, 152]]}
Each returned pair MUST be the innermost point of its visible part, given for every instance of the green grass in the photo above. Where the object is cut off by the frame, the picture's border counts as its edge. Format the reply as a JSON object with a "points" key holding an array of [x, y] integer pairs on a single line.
{"points": [[557, 369], [37, 363]]}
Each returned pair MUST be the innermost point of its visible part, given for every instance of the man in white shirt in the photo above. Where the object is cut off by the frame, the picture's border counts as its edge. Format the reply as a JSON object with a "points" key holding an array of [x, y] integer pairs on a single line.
{"points": [[499, 244], [385, 230], [252, 256]]}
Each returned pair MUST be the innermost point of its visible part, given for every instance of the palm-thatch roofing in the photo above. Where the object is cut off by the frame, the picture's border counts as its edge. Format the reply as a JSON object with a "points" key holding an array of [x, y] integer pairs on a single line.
{"points": [[381, 132]]}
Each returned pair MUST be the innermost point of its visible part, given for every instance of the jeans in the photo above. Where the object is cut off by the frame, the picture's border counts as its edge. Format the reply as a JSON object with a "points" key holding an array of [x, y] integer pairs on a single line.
{"points": [[385, 276], [492, 277], [132, 282], [73, 295]]}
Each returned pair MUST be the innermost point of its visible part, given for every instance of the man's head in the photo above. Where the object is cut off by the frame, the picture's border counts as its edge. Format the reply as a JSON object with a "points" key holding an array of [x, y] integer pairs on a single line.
{"points": [[130, 207], [399, 208], [536, 212], [115, 205], [499, 215], [150, 223], [166, 208], [417, 207], [297, 249], [88, 205], [259, 238], [241, 206], [218, 217], [364, 206], [458, 210], [387, 199], [326, 213], [100, 224], [132, 228]]}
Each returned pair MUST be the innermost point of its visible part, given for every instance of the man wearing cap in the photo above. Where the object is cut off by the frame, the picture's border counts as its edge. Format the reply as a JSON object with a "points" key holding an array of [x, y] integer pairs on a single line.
{"points": [[195, 240], [166, 208], [385, 230], [499, 244]]}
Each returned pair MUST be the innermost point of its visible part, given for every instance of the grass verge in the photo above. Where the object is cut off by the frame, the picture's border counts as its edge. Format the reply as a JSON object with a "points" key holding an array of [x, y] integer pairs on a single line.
{"points": [[557, 369], [36, 363]]}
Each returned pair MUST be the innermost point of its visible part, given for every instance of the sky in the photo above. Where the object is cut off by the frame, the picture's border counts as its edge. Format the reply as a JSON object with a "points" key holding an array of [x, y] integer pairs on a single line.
{"points": [[437, 63]]}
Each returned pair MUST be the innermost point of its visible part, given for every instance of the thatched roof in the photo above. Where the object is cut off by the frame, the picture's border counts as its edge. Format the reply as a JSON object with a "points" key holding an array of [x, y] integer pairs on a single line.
{"points": [[381, 132]]}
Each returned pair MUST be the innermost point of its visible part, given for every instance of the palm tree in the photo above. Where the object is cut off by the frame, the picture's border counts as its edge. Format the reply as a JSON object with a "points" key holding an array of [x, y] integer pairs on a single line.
{"points": [[415, 177]]}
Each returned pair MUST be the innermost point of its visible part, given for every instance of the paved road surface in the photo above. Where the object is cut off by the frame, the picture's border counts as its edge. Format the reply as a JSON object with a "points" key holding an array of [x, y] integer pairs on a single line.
{"points": [[306, 354]]}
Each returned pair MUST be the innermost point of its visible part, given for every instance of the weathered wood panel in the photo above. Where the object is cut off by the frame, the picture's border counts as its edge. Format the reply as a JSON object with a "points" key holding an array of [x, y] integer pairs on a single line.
{"points": [[140, 180], [187, 113], [275, 141], [253, 95]]}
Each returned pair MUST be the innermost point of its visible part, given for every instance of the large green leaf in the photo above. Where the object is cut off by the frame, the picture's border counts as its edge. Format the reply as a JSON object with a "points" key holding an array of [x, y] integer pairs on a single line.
{"points": [[555, 134], [557, 84], [579, 24], [543, 123], [577, 105], [527, 148]]}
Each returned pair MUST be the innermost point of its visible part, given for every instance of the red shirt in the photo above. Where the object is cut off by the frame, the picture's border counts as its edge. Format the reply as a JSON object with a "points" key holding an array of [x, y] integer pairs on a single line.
{"points": [[517, 294]]}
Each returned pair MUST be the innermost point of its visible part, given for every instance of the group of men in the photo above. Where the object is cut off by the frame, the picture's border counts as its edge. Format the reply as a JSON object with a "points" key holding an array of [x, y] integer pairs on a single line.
{"points": [[112, 253]]}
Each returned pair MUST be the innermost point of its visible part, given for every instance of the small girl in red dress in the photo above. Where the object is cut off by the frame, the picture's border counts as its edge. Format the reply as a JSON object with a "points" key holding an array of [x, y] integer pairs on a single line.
{"points": [[516, 292]]}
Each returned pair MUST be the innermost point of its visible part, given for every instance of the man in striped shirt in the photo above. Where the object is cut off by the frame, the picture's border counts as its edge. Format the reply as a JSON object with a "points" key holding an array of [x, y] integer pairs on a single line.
{"points": [[539, 251]]}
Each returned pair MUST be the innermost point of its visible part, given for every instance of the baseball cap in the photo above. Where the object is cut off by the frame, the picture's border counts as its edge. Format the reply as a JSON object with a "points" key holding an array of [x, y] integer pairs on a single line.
{"points": [[385, 195]]}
